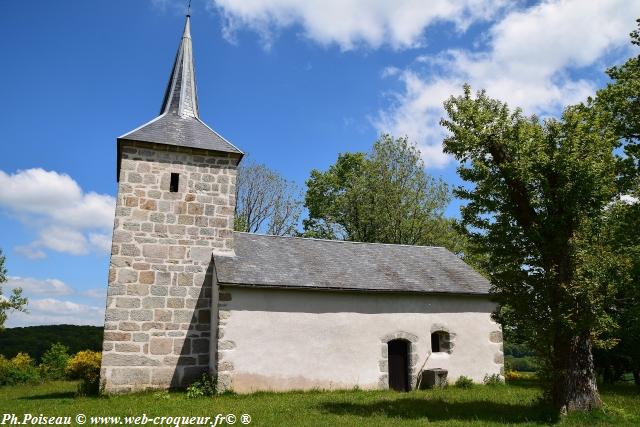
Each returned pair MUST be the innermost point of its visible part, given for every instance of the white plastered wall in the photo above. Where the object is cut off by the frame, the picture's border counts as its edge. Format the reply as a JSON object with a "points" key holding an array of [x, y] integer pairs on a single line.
{"points": [[272, 339]]}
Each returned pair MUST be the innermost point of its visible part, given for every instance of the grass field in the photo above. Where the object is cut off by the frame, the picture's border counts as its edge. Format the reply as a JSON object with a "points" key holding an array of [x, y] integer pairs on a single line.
{"points": [[513, 404]]}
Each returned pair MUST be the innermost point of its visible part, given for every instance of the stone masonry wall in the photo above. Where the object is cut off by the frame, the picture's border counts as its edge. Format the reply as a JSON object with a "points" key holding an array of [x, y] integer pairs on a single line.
{"points": [[158, 316]]}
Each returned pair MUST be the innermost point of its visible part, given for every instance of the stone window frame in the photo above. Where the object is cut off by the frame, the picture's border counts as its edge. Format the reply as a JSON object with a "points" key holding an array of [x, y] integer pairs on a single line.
{"points": [[447, 340], [383, 363]]}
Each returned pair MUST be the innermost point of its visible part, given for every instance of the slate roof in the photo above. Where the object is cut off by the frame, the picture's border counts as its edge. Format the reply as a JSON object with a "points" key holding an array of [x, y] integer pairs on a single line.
{"points": [[291, 262], [179, 121], [171, 129]]}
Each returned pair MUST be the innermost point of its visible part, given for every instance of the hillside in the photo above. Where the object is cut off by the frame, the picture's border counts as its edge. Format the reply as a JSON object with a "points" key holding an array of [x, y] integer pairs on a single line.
{"points": [[35, 340]]}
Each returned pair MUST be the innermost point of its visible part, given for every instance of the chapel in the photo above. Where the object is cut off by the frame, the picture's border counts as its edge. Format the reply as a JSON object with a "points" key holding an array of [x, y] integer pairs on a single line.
{"points": [[188, 295]]}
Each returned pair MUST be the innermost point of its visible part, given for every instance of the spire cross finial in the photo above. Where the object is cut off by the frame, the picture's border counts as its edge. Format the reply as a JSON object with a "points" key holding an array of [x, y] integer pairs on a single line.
{"points": [[189, 8]]}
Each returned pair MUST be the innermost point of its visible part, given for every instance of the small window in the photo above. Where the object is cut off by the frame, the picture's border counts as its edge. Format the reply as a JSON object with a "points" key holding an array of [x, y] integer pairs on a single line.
{"points": [[175, 180], [435, 342], [440, 342]]}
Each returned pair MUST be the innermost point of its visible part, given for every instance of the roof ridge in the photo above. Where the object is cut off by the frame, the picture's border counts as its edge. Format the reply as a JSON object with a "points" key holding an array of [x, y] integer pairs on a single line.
{"points": [[341, 241]]}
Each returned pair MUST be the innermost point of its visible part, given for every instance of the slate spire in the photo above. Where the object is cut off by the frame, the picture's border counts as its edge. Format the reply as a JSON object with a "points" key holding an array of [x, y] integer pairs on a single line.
{"points": [[180, 96], [179, 122]]}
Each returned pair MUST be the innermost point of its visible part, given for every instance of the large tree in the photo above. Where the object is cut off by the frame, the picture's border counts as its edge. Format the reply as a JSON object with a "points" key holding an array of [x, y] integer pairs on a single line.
{"points": [[382, 196], [15, 302], [621, 99], [536, 194], [622, 220], [266, 201]]}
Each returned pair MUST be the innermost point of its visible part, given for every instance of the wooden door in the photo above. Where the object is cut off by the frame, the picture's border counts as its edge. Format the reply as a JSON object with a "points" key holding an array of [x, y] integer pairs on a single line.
{"points": [[399, 365]]}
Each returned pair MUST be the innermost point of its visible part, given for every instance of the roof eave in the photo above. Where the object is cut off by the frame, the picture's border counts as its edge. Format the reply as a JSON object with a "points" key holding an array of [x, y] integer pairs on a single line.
{"points": [[356, 290]]}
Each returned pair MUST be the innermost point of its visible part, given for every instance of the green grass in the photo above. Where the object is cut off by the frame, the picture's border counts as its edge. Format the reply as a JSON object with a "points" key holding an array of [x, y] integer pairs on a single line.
{"points": [[513, 404]]}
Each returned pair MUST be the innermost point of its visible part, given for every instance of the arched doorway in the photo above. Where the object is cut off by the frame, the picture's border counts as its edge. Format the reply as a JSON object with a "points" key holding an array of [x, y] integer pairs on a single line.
{"points": [[398, 364]]}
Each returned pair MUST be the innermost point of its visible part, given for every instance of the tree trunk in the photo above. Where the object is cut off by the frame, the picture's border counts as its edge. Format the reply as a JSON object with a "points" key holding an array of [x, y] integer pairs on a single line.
{"points": [[636, 376], [574, 381]]}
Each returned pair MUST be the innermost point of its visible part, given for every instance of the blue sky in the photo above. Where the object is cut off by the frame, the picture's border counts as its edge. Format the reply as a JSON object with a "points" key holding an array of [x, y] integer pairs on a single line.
{"points": [[291, 83]]}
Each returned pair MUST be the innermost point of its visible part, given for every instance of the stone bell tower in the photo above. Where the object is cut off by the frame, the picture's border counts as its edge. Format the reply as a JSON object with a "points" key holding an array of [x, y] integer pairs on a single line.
{"points": [[175, 208]]}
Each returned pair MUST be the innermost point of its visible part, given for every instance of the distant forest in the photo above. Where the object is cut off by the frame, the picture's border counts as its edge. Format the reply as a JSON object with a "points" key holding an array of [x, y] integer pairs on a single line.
{"points": [[35, 340]]}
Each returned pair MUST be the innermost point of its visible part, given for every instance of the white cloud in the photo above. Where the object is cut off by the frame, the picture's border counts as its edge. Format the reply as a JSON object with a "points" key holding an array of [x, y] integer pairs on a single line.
{"points": [[30, 251], [51, 311], [33, 286], [352, 23], [45, 307], [95, 293], [531, 54], [416, 113], [67, 219], [64, 239], [100, 241]]}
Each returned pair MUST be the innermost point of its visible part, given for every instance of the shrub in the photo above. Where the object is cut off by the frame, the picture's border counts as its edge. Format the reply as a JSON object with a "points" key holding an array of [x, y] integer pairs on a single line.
{"points": [[54, 362], [204, 386], [492, 380], [22, 361], [20, 369], [513, 375], [4, 370], [463, 382], [85, 366]]}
